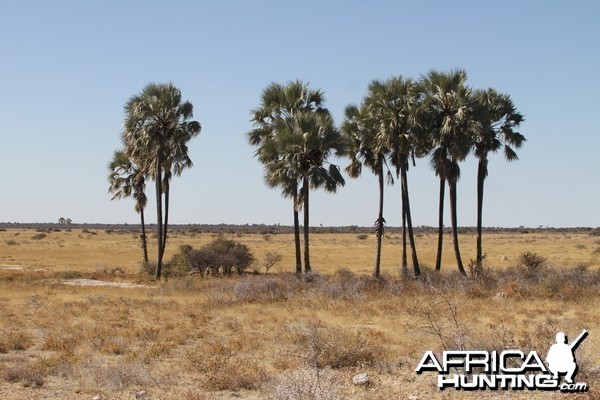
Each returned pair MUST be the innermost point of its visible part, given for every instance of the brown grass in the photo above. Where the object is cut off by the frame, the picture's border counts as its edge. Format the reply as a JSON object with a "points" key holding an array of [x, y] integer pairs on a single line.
{"points": [[276, 336]]}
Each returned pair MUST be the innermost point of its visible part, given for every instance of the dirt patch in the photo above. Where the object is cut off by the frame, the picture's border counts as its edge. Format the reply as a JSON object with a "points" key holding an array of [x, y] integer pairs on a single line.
{"points": [[94, 282], [10, 267]]}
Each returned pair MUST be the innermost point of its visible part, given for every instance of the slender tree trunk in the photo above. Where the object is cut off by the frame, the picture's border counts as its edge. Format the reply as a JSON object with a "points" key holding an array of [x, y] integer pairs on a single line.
{"points": [[438, 259], [481, 174], [379, 222], [306, 226], [404, 258], [166, 212], [407, 215], [452, 187], [159, 216], [144, 241], [297, 233]]}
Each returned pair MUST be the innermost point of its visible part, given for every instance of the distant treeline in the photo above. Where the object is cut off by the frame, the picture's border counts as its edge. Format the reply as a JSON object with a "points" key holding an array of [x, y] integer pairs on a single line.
{"points": [[263, 229]]}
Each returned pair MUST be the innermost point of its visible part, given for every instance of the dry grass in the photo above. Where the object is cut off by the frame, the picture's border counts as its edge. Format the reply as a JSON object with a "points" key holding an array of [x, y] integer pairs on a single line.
{"points": [[89, 250], [276, 336]]}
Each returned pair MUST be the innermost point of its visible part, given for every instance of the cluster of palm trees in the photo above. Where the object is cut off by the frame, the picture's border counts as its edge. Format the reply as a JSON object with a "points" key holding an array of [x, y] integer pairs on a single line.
{"points": [[295, 135], [399, 120], [155, 136]]}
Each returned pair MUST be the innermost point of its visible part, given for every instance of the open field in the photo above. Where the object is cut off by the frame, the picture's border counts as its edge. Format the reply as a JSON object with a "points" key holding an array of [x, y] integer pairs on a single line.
{"points": [[276, 336], [91, 249]]}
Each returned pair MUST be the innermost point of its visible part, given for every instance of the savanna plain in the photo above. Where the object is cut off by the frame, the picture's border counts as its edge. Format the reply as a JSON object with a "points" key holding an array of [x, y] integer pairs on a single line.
{"points": [[274, 335]]}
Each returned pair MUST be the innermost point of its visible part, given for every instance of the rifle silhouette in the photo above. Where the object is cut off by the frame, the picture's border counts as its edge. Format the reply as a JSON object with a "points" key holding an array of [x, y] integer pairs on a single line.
{"points": [[578, 340]]}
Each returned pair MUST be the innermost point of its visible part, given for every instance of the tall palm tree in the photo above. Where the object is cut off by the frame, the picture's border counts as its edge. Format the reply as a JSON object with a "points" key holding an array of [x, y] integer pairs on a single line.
{"points": [[321, 139], [498, 118], [128, 179], [294, 135], [364, 149], [157, 129], [391, 104], [278, 174], [446, 114]]}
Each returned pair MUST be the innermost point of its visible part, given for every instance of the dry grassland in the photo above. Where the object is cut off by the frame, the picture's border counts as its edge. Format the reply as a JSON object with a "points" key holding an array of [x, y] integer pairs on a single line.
{"points": [[276, 336]]}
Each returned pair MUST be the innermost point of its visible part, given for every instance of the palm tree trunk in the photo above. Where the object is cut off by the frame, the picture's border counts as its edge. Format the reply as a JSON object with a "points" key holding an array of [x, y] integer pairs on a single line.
{"points": [[379, 222], [404, 258], [297, 234], [144, 241], [407, 215], [165, 224], [438, 259], [159, 216], [452, 187], [481, 174], [306, 226]]}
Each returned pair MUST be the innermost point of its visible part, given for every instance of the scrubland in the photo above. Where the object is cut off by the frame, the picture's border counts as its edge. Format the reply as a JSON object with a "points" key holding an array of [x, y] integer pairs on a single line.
{"points": [[277, 336]]}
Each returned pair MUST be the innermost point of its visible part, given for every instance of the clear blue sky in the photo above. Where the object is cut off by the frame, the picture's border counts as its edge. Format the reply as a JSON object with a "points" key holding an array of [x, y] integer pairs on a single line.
{"points": [[68, 67]]}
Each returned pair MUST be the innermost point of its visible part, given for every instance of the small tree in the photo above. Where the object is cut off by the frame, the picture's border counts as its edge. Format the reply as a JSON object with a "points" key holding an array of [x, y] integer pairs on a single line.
{"points": [[128, 179], [271, 259]]}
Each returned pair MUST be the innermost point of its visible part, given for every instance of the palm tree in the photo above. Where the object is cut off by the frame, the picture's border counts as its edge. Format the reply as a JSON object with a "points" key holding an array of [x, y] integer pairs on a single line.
{"points": [[277, 174], [294, 135], [157, 129], [321, 139], [128, 179], [391, 104], [364, 148], [498, 118], [445, 113]]}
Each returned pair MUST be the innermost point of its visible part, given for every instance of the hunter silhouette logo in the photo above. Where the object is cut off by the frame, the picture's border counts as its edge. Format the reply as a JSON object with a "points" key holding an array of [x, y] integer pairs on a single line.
{"points": [[560, 357], [509, 369]]}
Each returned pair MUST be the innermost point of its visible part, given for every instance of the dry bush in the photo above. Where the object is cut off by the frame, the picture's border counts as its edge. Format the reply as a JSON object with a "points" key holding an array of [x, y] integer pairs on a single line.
{"points": [[113, 377], [272, 259], [222, 366], [344, 286], [571, 284], [442, 318], [262, 289], [65, 342], [194, 395], [335, 347], [149, 268], [306, 384], [28, 374], [14, 341]]}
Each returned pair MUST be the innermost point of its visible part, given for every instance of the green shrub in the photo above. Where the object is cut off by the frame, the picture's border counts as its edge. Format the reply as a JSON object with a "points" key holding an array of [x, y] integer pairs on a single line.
{"points": [[220, 254], [532, 261]]}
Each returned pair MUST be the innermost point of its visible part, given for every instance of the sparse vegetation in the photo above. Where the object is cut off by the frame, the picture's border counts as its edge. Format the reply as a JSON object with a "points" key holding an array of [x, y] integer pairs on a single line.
{"points": [[276, 335]]}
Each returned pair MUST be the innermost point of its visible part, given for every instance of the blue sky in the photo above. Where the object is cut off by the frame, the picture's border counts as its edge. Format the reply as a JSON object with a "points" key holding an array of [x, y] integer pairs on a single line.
{"points": [[68, 67]]}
